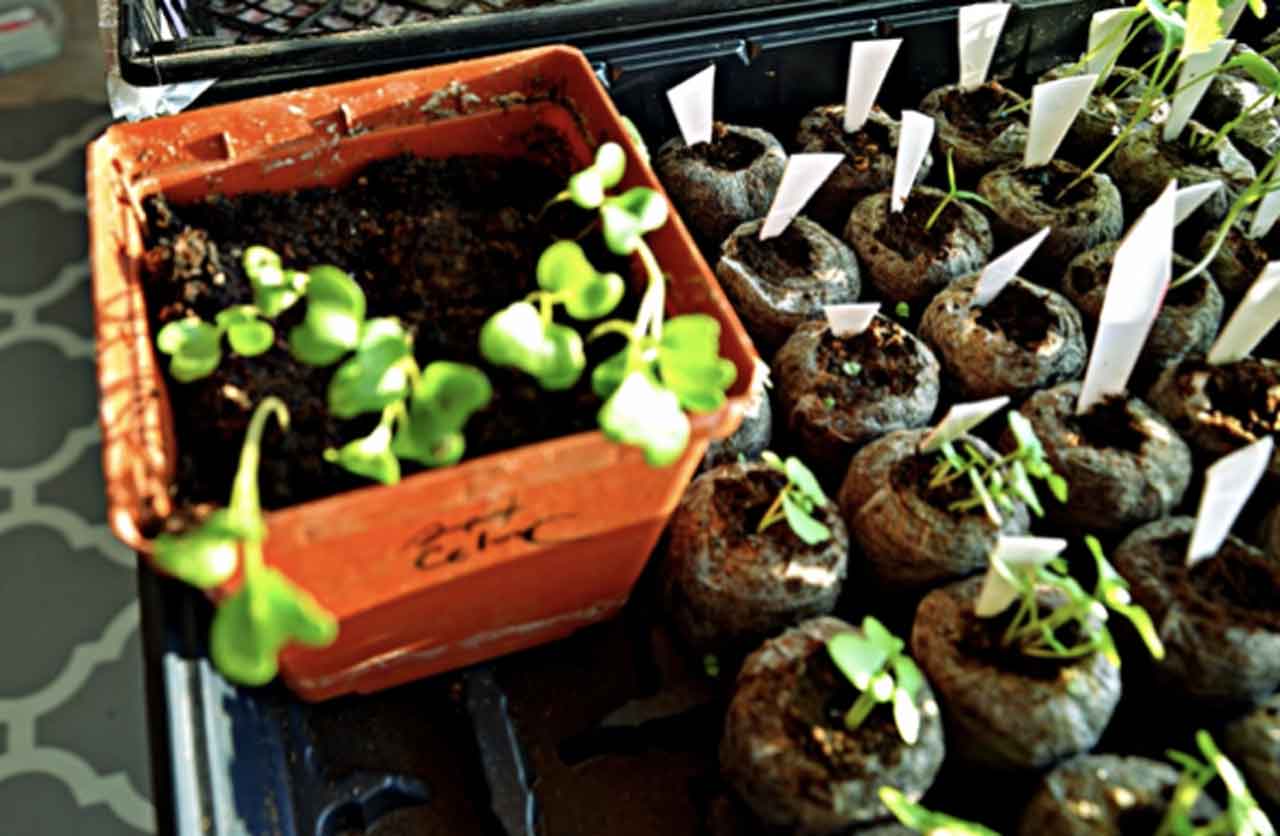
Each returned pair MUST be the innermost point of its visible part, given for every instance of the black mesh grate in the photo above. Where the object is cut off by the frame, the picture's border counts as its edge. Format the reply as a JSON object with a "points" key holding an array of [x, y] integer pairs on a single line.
{"points": [[256, 20]]}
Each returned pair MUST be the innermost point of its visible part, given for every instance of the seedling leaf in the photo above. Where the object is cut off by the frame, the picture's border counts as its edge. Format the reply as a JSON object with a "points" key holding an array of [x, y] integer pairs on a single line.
{"points": [[642, 413], [335, 313], [805, 527], [370, 457], [205, 557], [376, 376]]}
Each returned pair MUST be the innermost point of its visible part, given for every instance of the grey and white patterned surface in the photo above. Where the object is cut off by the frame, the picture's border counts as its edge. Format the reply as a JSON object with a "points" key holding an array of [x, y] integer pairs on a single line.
{"points": [[73, 751]]}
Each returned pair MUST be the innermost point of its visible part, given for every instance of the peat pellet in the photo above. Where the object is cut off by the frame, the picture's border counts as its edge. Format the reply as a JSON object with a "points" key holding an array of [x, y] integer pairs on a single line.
{"points": [[1106, 795], [778, 283], [1002, 709], [1187, 323], [1220, 409], [726, 585], [1258, 137], [1270, 534], [1219, 620], [837, 394], [904, 261], [982, 128], [1144, 164], [719, 185], [787, 754], [870, 156], [1024, 201], [1252, 742], [908, 537], [1024, 339], [1123, 463], [1230, 91]]}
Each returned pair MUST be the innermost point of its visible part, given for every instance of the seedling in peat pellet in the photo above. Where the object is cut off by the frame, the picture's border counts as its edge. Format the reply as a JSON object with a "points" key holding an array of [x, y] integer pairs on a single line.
{"points": [[1035, 631], [926, 822], [954, 193], [267, 611], [875, 664], [997, 483], [1243, 816], [797, 500]]}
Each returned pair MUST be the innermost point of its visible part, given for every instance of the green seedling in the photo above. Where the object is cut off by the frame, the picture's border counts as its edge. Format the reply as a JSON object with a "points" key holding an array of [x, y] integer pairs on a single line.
{"points": [[829, 402], [915, 817], [997, 483], [796, 502], [851, 368], [902, 310], [1243, 816], [954, 193], [875, 664], [665, 368], [1035, 632], [267, 611]]}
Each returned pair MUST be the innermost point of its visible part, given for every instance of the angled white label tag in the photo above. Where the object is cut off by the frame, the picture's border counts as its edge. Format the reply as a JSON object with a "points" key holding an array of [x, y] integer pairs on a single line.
{"points": [[850, 320], [980, 28], [960, 419], [913, 147], [692, 101], [1228, 483], [1108, 30], [1054, 106], [1013, 554], [1191, 198], [1257, 314], [1186, 102], [1000, 272], [803, 176], [868, 65]]}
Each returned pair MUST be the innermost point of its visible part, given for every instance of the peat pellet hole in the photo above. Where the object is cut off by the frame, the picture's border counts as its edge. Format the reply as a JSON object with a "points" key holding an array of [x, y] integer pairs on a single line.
{"points": [[860, 146], [1245, 397], [974, 112], [1110, 425], [884, 355], [1236, 585], [1020, 314], [787, 255], [728, 150], [1051, 182], [905, 233]]}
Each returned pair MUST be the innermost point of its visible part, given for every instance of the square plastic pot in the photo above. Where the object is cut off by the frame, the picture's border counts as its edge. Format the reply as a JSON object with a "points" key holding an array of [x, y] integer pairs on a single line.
{"points": [[448, 567]]}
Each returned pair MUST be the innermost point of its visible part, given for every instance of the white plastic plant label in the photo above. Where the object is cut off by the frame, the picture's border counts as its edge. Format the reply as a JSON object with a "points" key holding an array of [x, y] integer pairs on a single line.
{"points": [[960, 419], [1054, 106], [913, 147], [1015, 554], [1108, 30], [1140, 275], [1265, 216], [1185, 103], [868, 65], [1188, 200], [804, 174], [1228, 483], [850, 320], [1257, 314], [1000, 272], [980, 28], [692, 101], [1231, 16]]}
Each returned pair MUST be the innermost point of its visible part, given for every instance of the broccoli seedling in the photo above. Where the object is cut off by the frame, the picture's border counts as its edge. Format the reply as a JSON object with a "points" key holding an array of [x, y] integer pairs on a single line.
{"points": [[902, 310], [666, 367], [1243, 816], [874, 663], [1035, 632], [954, 193], [267, 611], [997, 483], [797, 500], [851, 368], [927, 822]]}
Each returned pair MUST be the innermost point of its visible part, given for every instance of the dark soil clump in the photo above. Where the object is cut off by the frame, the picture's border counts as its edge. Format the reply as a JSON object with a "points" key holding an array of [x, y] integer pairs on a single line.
{"points": [[888, 362], [1235, 587], [1245, 398], [904, 231], [727, 150], [1109, 425], [788, 254], [974, 112], [1022, 316]]}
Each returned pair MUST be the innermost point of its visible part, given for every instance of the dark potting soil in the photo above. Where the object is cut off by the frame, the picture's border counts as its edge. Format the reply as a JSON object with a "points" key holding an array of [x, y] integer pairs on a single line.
{"points": [[974, 112], [815, 716], [888, 364], [788, 254], [904, 231], [1238, 587], [1245, 396], [440, 244], [914, 474], [742, 503], [860, 147], [1021, 315], [982, 639], [727, 150], [1109, 425]]}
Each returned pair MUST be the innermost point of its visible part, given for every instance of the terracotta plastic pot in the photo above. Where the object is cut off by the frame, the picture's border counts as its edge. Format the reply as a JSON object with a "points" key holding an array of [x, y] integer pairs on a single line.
{"points": [[448, 567]]}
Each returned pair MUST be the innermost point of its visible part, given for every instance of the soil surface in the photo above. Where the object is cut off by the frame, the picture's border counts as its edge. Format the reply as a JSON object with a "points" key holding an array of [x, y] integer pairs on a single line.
{"points": [[727, 150], [904, 231], [1109, 425], [742, 504], [1238, 587], [882, 356], [861, 147], [983, 640], [1021, 315], [788, 254], [974, 112], [1245, 398], [914, 475], [441, 244]]}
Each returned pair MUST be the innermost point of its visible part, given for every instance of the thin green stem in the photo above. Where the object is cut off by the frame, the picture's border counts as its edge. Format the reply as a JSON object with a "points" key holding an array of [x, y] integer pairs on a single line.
{"points": [[244, 490], [937, 213], [861, 709], [775, 513], [1256, 191]]}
